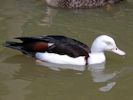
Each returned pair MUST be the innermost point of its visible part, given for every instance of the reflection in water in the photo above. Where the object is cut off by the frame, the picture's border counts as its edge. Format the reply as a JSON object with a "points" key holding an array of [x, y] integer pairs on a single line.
{"points": [[97, 73], [57, 67], [48, 19], [51, 14], [108, 87]]}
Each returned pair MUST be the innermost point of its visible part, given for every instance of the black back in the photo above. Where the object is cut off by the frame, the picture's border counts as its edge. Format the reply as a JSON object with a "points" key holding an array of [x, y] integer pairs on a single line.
{"points": [[67, 46], [61, 45]]}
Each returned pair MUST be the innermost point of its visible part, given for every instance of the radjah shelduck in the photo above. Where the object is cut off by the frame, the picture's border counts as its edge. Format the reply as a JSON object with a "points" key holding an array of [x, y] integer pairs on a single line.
{"points": [[64, 50]]}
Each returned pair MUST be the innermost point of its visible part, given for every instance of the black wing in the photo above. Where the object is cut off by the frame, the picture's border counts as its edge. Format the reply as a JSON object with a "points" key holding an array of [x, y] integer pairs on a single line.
{"points": [[66, 46], [61, 45]]}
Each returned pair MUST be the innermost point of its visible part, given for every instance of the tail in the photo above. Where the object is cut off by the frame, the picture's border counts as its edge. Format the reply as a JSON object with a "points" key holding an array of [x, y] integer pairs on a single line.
{"points": [[13, 45], [19, 47]]}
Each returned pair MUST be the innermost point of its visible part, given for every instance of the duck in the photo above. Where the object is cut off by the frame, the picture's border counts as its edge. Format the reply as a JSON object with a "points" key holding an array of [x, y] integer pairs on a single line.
{"points": [[80, 3], [58, 49]]}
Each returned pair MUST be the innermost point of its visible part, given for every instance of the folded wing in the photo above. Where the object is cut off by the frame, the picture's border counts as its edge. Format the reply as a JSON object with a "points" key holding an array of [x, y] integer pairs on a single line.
{"points": [[53, 44]]}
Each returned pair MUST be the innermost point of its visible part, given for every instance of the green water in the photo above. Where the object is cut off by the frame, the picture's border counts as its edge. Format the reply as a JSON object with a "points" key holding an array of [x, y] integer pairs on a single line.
{"points": [[21, 78]]}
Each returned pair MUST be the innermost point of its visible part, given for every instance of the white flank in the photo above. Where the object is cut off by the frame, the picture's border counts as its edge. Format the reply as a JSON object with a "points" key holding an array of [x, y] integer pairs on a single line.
{"points": [[60, 59]]}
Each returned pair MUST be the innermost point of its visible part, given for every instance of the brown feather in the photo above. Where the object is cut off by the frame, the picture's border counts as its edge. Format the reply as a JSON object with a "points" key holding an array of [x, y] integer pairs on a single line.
{"points": [[36, 46]]}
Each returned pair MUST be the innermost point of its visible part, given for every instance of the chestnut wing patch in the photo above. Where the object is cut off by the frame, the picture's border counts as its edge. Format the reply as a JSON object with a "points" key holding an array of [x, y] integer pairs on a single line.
{"points": [[36, 46]]}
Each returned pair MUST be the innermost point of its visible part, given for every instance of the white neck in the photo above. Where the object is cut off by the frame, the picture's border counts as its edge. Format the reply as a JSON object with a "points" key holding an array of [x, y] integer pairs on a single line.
{"points": [[97, 52], [96, 58]]}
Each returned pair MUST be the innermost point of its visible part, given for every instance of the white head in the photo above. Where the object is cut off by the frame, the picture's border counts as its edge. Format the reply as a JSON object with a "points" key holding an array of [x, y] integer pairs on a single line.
{"points": [[105, 43]]}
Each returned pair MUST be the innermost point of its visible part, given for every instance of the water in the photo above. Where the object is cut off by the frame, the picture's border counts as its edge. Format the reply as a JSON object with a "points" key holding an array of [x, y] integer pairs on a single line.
{"points": [[21, 78]]}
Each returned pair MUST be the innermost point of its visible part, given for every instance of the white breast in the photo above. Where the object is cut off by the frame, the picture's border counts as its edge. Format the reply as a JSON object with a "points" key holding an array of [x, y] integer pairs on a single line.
{"points": [[96, 58], [60, 59]]}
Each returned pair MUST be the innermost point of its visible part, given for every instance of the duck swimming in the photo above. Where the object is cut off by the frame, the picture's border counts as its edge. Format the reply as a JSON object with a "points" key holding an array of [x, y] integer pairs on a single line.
{"points": [[64, 50], [80, 3]]}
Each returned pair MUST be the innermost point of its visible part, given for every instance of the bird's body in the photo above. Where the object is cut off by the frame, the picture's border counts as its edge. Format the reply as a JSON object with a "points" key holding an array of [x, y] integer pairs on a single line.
{"points": [[64, 50], [80, 3]]}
